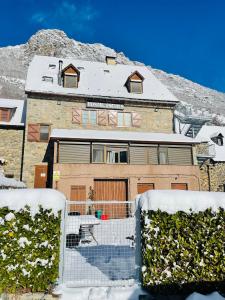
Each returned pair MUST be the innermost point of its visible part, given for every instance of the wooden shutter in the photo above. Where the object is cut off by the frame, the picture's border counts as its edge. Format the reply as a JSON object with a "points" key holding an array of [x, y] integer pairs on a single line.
{"points": [[5, 114], [76, 116], [136, 119], [179, 186], [33, 134], [112, 118], [78, 193], [74, 153], [180, 156], [144, 187], [102, 117]]}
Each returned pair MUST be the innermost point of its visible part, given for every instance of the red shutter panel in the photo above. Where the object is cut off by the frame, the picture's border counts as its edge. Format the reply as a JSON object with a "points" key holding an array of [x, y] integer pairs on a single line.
{"points": [[33, 134], [136, 119], [76, 116], [113, 118], [102, 117]]}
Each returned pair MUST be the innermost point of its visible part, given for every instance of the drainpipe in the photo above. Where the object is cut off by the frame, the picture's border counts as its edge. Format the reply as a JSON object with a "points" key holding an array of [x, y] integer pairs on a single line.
{"points": [[209, 178], [60, 73]]}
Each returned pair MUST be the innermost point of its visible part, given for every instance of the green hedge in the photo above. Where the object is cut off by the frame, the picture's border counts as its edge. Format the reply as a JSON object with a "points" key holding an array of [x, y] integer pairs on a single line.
{"points": [[29, 250], [183, 252]]}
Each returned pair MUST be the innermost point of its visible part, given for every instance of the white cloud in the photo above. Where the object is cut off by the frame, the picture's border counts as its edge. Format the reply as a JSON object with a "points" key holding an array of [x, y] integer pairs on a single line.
{"points": [[73, 18]]}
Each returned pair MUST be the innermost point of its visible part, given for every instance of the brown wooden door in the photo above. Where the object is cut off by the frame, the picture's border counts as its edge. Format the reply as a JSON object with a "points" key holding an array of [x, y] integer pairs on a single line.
{"points": [[111, 190], [78, 193], [144, 187], [40, 176], [179, 186]]}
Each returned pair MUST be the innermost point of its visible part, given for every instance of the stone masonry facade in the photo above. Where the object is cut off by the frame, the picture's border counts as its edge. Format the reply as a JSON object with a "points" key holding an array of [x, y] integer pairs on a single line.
{"points": [[57, 112], [11, 147], [212, 176]]}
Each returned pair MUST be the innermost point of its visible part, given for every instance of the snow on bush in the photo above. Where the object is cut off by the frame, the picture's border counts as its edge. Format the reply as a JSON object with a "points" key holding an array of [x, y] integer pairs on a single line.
{"points": [[29, 239], [183, 241]]}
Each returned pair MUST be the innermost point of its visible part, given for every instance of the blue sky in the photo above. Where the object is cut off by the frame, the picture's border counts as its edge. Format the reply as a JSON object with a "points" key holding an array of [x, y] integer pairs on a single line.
{"points": [[185, 37]]}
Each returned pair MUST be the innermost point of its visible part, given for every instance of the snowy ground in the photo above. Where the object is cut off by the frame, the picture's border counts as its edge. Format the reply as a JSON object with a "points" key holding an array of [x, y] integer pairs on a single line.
{"points": [[109, 261]]}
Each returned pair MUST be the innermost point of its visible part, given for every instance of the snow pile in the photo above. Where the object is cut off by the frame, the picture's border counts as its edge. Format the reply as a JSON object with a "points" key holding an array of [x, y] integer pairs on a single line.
{"points": [[172, 201], [213, 296], [18, 199], [103, 293]]}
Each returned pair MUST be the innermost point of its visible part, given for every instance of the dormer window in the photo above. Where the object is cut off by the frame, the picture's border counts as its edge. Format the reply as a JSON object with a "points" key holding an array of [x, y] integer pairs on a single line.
{"points": [[70, 76], [5, 114], [218, 139], [135, 83]]}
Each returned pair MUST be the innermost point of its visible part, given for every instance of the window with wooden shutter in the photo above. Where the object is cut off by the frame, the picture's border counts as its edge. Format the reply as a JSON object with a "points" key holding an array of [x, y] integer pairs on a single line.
{"points": [[112, 118], [136, 119], [102, 117], [33, 134], [5, 114], [76, 116], [74, 153]]}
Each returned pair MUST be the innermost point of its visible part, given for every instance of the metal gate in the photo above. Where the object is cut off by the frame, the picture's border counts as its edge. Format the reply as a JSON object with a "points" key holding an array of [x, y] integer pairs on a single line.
{"points": [[99, 243]]}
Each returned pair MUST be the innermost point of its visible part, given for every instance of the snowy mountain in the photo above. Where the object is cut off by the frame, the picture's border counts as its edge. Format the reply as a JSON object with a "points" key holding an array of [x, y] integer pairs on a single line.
{"points": [[14, 61]]}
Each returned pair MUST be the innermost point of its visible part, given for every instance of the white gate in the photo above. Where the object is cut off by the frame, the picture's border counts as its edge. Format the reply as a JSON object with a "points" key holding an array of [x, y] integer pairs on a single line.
{"points": [[99, 243]]}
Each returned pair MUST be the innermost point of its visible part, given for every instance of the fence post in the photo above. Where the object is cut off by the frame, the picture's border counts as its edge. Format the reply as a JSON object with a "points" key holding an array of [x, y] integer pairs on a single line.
{"points": [[62, 243], [138, 255]]}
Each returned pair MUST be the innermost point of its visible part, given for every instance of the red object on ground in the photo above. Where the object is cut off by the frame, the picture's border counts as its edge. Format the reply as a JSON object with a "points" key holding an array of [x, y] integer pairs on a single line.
{"points": [[104, 217]]}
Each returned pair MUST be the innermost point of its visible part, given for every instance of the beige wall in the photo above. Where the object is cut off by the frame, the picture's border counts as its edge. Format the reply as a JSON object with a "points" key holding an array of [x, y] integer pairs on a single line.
{"points": [[59, 115], [11, 145], [161, 176]]}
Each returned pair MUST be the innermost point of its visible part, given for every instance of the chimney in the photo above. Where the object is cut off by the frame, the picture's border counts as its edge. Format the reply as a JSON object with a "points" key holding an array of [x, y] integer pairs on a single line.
{"points": [[110, 60], [60, 72]]}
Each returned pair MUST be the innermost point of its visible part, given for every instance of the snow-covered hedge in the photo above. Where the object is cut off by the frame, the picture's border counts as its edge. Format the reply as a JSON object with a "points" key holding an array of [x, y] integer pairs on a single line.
{"points": [[29, 239], [183, 241]]}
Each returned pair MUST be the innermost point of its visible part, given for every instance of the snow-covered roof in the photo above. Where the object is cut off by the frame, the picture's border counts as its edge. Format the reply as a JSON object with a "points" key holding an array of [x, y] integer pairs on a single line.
{"points": [[101, 135], [172, 201], [18, 115], [97, 79], [10, 183], [205, 135]]}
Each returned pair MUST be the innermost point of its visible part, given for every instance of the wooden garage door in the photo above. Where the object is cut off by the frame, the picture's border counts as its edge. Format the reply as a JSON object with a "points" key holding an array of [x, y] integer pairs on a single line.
{"points": [[144, 187], [111, 190], [40, 177], [179, 186], [78, 193]]}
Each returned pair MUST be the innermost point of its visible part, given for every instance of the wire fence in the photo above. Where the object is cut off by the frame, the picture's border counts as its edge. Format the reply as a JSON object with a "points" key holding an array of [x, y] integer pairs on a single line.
{"points": [[99, 244]]}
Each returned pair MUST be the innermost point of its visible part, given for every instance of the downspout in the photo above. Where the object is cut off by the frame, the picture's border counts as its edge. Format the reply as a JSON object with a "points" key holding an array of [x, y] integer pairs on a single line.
{"points": [[209, 177]]}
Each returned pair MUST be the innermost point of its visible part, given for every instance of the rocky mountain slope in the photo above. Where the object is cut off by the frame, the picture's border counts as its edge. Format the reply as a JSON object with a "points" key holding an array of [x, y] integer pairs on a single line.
{"points": [[14, 61]]}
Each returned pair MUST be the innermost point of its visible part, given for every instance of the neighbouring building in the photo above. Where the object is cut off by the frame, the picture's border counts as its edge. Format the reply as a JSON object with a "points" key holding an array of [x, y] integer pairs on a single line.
{"points": [[103, 130], [212, 161], [12, 126]]}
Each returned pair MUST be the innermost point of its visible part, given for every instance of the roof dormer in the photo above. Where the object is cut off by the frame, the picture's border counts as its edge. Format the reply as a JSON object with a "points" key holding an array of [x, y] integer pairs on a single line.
{"points": [[134, 83], [70, 76], [217, 139]]}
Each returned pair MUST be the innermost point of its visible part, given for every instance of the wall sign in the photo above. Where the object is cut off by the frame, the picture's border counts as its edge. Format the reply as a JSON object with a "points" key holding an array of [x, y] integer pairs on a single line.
{"points": [[56, 175], [104, 105]]}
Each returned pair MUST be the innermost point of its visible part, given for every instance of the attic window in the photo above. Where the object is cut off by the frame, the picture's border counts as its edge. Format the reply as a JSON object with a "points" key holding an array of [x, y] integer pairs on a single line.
{"points": [[106, 71], [218, 139], [47, 79], [110, 60], [5, 114], [71, 76], [80, 68], [135, 83]]}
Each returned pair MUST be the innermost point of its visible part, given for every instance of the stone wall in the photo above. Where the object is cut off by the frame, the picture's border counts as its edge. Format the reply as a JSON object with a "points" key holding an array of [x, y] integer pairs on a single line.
{"points": [[212, 176], [11, 147], [155, 118]]}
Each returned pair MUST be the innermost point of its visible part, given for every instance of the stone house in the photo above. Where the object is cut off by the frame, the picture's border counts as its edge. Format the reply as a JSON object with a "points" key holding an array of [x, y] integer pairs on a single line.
{"points": [[103, 128], [211, 156], [12, 129]]}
